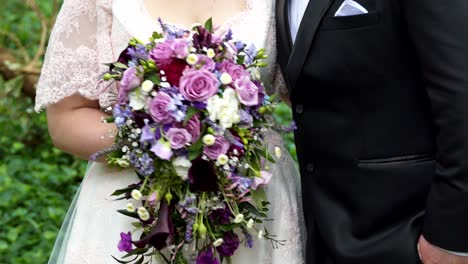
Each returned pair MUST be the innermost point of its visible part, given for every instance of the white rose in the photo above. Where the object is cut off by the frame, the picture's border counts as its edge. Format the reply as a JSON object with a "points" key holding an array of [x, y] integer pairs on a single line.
{"points": [[209, 140], [147, 86], [182, 166], [223, 159], [136, 194]]}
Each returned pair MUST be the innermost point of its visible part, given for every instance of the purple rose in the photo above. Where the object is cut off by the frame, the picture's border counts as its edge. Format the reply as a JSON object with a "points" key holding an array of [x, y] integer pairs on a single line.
{"points": [[180, 48], [179, 137], [207, 257], [130, 80], [247, 91], [206, 63], [235, 70], [220, 146], [193, 127], [202, 176], [125, 243], [159, 108], [198, 85], [230, 245], [163, 53]]}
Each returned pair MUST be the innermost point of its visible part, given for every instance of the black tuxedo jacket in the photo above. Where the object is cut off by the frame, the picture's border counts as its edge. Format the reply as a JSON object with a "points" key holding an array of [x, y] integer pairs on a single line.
{"points": [[381, 104]]}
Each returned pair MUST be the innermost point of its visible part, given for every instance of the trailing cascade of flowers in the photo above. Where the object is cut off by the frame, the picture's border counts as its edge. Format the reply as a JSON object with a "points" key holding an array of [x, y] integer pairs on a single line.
{"points": [[191, 117]]}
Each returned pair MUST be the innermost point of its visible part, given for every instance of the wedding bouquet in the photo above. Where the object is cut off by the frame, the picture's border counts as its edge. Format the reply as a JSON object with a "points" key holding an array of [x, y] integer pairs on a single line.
{"points": [[191, 117]]}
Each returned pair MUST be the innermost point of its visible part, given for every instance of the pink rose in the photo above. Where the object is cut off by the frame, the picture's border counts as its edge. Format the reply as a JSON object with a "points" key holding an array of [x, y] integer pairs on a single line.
{"points": [[221, 146], [180, 48], [193, 127], [262, 181], [178, 137], [247, 91], [162, 54], [198, 85], [158, 108], [235, 70]]}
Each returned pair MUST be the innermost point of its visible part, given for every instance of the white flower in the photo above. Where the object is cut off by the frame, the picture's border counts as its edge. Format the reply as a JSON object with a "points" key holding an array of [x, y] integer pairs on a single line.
{"points": [[147, 86], [182, 166], [223, 159], [143, 214], [136, 194], [130, 207], [278, 152], [137, 100], [218, 242], [260, 234], [250, 223], [192, 59], [209, 140], [225, 109], [210, 53], [239, 218], [123, 163], [225, 78]]}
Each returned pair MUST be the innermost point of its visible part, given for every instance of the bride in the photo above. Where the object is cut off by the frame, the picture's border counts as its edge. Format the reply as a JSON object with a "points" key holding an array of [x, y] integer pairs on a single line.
{"points": [[89, 33]]}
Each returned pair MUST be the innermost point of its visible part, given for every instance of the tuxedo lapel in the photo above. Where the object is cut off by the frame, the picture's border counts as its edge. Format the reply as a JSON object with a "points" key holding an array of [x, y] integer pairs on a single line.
{"points": [[283, 32], [314, 13]]}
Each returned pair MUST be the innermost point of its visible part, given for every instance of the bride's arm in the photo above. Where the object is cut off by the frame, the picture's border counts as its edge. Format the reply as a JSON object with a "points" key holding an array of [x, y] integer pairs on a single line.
{"points": [[75, 126]]}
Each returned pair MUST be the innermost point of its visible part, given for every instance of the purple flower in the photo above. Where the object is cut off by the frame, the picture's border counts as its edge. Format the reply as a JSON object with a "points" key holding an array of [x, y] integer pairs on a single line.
{"points": [[145, 165], [163, 53], [121, 114], [206, 63], [159, 108], [221, 146], [247, 91], [248, 238], [207, 257], [263, 180], [202, 176], [130, 80], [138, 52], [235, 70], [246, 118], [163, 233], [177, 108], [221, 216], [198, 85], [230, 245], [203, 38], [148, 133], [162, 149], [251, 52], [125, 243], [180, 48], [193, 127], [178, 137]]}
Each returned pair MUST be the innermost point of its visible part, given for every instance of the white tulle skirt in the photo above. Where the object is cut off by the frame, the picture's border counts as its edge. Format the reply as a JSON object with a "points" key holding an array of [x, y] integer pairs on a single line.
{"points": [[91, 230]]}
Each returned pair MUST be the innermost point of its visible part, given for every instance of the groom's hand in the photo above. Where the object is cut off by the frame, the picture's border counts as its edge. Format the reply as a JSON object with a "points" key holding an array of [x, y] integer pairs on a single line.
{"points": [[430, 254]]}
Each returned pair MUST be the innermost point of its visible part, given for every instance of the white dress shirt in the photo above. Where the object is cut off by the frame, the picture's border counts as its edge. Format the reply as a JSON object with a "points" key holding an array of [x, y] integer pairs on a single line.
{"points": [[296, 10]]}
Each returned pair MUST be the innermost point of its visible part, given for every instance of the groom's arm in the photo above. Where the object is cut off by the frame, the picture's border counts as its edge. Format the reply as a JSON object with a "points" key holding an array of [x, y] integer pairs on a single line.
{"points": [[439, 32]]}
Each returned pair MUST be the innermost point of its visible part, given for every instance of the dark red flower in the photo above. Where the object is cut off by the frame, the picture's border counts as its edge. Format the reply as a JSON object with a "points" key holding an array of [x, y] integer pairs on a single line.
{"points": [[202, 176], [174, 70], [163, 233]]}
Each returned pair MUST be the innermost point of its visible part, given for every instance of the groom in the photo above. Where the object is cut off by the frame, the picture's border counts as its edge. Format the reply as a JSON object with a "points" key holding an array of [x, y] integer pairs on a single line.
{"points": [[379, 90]]}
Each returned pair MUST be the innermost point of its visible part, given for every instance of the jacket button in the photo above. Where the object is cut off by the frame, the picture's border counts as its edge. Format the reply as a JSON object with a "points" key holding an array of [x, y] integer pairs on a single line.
{"points": [[310, 167], [299, 109]]}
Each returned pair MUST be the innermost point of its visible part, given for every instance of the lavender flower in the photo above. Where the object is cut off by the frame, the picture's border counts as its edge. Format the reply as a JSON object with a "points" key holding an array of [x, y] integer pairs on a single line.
{"points": [[139, 52], [176, 107], [145, 165], [248, 238], [251, 52]]}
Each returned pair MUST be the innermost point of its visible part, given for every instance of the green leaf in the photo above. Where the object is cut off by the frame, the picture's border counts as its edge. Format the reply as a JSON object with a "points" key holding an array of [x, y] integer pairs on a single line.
{"points": [[123, 262], [209, 25], [196, 149], [120, 65], [258, 197], [129, 214], [136, 251], [154, 78], [122, 191]]}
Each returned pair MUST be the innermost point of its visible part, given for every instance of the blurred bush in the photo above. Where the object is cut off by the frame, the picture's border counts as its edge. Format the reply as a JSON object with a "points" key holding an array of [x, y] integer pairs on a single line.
{"points": [[37, 181]]}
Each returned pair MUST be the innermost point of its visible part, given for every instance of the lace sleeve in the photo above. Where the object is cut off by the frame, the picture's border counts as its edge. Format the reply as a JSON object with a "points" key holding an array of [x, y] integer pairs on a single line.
{"points": [[79, 44], [279, 85]]}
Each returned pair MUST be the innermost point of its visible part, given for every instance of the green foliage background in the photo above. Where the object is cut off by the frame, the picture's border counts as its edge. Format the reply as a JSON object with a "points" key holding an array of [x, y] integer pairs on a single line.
{"points": [[37, 181]]}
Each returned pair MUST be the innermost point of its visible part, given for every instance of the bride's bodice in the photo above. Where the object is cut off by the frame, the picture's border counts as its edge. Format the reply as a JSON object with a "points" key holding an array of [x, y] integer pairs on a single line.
{"points": [[89, 33]]}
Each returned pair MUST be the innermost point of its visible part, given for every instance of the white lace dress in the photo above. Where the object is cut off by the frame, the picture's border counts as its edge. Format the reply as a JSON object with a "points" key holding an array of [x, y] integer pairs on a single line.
{"points": [[89, 33]]}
